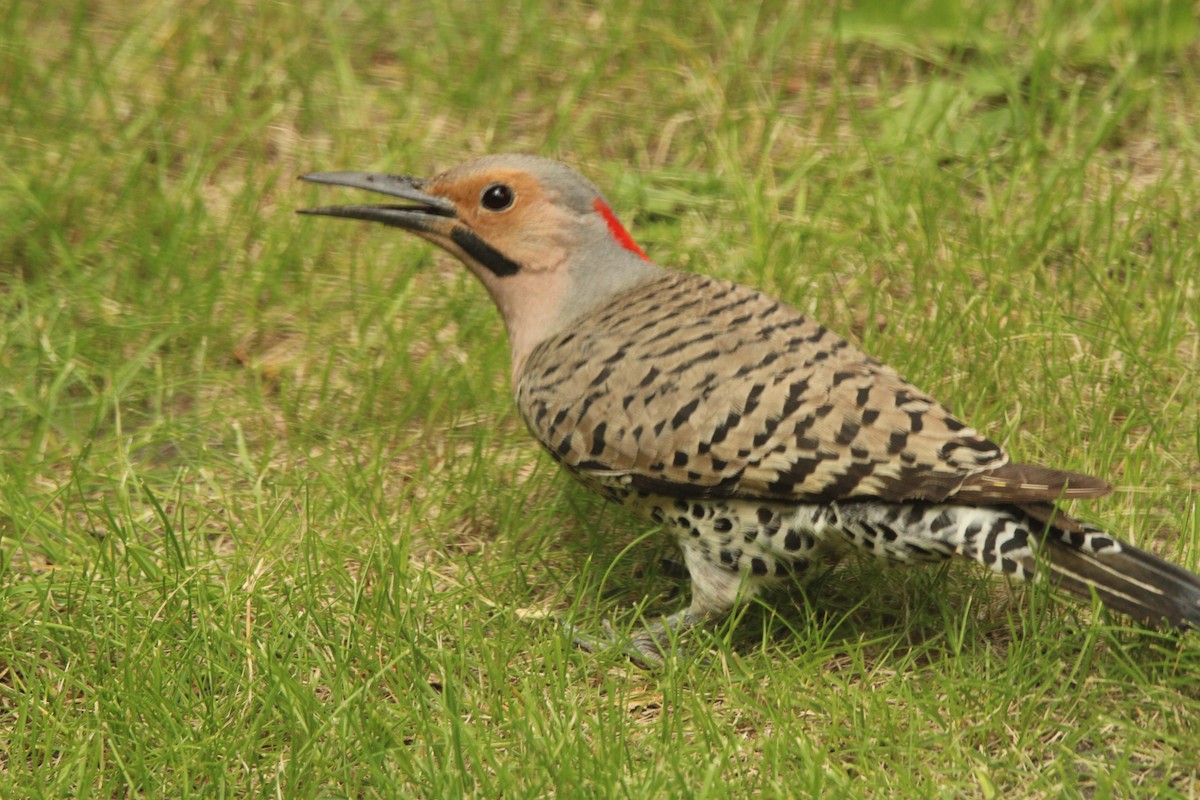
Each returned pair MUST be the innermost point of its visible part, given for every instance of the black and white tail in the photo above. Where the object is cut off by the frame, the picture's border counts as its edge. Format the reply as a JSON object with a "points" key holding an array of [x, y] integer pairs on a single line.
{"points": [[1086, 561], [1126, 579], [1029, 541]]}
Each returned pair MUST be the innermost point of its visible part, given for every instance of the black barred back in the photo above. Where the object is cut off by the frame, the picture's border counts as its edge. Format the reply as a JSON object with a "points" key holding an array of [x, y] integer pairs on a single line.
{"points": [[693, 386]]}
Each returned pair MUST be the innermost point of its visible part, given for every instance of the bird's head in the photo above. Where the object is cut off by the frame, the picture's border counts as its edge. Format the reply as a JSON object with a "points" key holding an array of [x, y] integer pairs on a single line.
{"points": [[535, 232]]}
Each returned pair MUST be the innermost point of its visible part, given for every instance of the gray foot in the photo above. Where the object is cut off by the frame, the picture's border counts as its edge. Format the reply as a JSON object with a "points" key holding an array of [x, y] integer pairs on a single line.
{"points": [[646, 647]]}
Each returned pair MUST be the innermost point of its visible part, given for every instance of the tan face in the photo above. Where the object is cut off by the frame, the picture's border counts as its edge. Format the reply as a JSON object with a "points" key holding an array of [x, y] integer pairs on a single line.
{"points": [[536, 234], [508, 212]]}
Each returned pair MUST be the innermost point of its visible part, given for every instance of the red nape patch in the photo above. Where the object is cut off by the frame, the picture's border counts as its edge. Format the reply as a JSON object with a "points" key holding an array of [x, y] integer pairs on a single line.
{"points": [[616, 229]]}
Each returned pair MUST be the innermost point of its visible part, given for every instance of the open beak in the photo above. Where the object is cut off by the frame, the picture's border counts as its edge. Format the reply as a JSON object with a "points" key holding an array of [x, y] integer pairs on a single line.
{"points": [[422, 212]]}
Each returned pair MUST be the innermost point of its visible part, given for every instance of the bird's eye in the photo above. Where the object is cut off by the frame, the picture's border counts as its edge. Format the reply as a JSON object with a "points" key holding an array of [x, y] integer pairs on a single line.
{"points": [[497, 197]]}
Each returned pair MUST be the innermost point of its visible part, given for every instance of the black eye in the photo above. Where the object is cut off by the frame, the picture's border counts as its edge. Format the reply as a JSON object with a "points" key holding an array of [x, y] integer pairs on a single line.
{"points": [[497, 197]]}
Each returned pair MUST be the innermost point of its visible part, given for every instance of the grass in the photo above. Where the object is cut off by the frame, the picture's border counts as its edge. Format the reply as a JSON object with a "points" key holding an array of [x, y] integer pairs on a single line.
{"points": [[268, 522]]}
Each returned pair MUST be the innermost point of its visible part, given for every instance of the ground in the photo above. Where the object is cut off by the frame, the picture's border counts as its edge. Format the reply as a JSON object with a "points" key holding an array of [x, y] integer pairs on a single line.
{"points": [[269, 522]]}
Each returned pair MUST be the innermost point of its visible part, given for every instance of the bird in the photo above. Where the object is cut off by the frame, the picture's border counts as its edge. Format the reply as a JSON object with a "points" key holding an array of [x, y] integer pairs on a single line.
{"points": [[759, 439]]}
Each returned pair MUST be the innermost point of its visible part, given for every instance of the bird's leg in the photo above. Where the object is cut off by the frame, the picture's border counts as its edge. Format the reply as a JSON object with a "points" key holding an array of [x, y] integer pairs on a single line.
{"points": [[646, 647], [715, 590]]}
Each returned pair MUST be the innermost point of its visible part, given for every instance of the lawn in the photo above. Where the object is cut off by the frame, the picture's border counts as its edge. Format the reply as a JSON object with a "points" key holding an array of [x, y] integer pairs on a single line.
{"points": [[269, 524]]}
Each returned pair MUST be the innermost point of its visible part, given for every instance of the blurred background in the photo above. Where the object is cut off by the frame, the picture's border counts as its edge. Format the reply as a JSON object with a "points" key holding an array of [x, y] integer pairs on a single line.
{"points": [[229, 435]]}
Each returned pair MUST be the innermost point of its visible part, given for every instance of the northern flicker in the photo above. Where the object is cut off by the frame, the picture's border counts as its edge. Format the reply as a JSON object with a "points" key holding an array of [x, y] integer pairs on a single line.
{"points": [[754, 435]]}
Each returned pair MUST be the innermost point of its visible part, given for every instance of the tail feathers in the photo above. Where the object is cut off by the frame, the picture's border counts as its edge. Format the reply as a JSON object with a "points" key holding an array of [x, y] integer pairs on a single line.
{"points": [[1127, 580]]}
